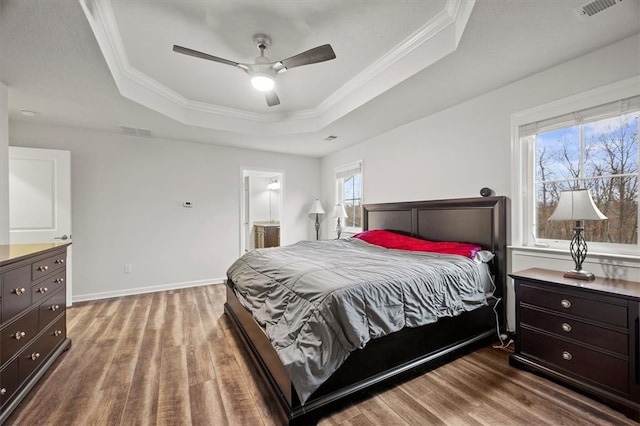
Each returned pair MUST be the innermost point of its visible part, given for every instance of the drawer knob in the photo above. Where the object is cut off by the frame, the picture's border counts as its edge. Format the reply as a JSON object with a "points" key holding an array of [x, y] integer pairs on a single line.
{"points": [[43, 268], [54, 307], [567, 356], [34, 356], [59, 280], [59, 261], [19, 291], [566, 327], [57, 333], [43, 290], [3, 391], [19, 335], [565, 303]]}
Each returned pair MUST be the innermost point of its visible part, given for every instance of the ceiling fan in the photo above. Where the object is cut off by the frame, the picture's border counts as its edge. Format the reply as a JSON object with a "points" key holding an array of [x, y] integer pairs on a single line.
{"points": [[263, 71]]}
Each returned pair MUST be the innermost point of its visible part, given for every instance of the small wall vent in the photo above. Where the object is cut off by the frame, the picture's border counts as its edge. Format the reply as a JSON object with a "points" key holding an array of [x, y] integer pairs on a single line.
{"points": [[132, 131], [587, 10]]}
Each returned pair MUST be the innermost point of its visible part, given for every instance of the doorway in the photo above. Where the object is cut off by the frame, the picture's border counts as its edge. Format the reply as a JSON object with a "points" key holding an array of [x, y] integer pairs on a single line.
{"points": [[262, 209]]}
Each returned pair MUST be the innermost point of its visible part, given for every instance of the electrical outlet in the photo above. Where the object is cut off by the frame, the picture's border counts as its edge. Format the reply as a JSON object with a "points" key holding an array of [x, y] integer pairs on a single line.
{"points": [[128, 268]]}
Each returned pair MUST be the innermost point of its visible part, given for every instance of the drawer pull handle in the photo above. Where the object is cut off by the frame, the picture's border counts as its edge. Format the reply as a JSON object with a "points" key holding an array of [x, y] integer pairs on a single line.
{"points": [[565, 303], [34, 356], [43, 290], [19, 335], [566, 356], [57, 333], [59, 261], [566, 327], [43, 268], [54, 307], [59, 280], [19, 291], [3, 391]]}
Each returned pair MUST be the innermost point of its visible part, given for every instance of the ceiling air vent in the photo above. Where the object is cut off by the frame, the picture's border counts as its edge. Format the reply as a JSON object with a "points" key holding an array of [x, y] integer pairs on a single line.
{"points": [[587, 10], [330, 138], [132, 131]]}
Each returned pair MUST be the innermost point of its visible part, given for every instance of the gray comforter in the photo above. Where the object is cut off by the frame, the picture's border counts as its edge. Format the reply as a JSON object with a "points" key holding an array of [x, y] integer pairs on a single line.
{"points": [[320, 300]]}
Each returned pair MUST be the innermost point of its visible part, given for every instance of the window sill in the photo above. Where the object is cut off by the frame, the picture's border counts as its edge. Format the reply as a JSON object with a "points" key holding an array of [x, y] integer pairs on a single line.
{"points": [[634, 258]]}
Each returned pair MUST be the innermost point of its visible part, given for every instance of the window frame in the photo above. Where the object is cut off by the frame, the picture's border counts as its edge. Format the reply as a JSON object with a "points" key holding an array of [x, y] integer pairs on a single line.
{"points": [[340, 190], [523, 165]]}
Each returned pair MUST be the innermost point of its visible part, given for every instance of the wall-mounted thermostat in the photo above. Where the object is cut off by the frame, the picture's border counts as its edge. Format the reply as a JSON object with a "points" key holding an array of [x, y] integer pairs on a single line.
{"points": [[187, 204]]}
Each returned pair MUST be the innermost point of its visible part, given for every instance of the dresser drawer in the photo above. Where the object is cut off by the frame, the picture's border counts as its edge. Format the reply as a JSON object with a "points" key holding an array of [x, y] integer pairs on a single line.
{"points": [[47, 286], [16, 292], [596, 366], [564, 327], [46, 266], [16, 336], [40, 349], [568, 303], [52, 308], [8, 381]]}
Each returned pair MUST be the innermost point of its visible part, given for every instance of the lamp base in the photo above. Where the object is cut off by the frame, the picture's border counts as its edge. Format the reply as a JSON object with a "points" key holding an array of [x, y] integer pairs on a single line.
{"points": [[580, 275]]}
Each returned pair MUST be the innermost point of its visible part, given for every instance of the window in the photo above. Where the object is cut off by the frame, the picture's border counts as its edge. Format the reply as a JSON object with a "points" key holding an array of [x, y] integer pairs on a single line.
{"points": [[349, 194], [594, 148]]}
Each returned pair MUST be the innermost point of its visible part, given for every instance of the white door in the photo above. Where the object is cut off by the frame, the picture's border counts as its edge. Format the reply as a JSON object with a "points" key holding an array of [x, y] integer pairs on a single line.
{"points": [[40, 198]]}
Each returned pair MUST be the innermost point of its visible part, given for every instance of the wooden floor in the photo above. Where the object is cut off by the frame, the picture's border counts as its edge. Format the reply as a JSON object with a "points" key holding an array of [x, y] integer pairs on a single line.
{"points": [[171, 358]]}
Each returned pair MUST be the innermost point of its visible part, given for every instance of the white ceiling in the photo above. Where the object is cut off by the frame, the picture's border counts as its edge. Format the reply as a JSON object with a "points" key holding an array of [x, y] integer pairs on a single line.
{"points": [[111, 64]]}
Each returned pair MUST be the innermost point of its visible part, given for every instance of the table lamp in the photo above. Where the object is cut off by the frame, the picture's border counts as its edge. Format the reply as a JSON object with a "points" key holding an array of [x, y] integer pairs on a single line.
{"points": [[339, 212], [577, 205], [316, 208]]}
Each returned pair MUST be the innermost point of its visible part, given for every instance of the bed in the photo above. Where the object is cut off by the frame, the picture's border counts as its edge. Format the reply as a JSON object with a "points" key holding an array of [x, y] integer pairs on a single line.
{"points": [[481, 221]]}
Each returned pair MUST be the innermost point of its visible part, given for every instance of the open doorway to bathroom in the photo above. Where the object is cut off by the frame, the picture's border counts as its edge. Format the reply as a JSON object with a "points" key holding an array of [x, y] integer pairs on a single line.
{"points": [[262, 209]]}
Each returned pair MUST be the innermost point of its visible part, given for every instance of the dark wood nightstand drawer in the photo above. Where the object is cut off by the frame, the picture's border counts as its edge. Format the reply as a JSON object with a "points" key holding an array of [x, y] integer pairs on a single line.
{"points": [[16, 336], [47, 286], [596, 366], [597, 310], [564, 327], [16, 292], [46, 266]]}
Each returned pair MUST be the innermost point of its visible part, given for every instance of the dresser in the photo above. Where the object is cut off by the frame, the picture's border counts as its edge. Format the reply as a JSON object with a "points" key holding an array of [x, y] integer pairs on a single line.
{"points": [[32, 317], [267, 234], [582, 334]]}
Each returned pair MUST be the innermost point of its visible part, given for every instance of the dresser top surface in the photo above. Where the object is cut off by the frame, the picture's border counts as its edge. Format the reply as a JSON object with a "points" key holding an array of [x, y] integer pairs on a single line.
{"points": [[12, 252], [606, 285]]}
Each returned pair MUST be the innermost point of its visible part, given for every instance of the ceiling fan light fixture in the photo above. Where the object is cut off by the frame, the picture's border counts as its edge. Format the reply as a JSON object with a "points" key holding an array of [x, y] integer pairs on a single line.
{"points": [[262, 82]]}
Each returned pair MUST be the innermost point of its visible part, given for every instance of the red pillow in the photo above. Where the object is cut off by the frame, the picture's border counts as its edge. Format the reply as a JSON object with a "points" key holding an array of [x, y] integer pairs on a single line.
{"points": [[392, 240]]}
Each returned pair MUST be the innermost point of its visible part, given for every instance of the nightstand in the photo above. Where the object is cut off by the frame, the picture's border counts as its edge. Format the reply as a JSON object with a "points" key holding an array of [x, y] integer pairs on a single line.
{"points": [[581, 334]]}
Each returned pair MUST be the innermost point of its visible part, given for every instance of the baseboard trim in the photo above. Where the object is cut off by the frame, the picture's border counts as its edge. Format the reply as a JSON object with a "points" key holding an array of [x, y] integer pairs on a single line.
{"points": [[143, 290]]}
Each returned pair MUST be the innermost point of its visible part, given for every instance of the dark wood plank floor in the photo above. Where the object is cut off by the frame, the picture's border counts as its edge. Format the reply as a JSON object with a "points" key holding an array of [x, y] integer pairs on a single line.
{"points": [[171, 358]]}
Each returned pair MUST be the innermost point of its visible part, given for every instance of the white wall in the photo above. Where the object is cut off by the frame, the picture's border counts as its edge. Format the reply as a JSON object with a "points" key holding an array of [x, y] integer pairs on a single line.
{"points": [[457, 151], [127, 196], [4, 164]]}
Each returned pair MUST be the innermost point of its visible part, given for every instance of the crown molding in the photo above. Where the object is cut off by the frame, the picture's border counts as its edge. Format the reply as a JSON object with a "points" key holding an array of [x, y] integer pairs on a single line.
{"points": [[435, 39]]}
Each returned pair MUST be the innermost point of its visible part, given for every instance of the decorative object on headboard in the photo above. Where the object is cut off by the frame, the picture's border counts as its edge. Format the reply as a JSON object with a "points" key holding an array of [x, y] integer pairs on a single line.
{"points": [[577, 205], [486, 192], [316, 208], [339, 212]]}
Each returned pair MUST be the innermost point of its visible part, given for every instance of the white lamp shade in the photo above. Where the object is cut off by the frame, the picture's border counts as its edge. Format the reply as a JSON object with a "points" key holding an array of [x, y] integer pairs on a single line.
{"points": [[339, 211], [316, 207], [576, 205], [262, 81]]}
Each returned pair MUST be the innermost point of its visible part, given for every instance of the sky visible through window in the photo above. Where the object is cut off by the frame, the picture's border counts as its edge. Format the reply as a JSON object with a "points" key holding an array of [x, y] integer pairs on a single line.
{"points": [[602, 156], [352, 188]]}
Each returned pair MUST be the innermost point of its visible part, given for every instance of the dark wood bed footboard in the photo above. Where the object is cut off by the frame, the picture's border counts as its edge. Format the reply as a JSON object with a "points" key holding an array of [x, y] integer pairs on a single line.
{"points": [[379, 362], [482, 221]]}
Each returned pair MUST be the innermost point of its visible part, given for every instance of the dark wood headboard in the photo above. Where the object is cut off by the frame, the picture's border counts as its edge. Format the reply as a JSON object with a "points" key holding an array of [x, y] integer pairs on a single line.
{"points": [[481, 221]]}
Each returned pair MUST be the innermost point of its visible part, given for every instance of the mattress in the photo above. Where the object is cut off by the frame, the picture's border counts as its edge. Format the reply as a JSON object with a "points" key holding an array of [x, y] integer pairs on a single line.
{"points": [[320, 300]]}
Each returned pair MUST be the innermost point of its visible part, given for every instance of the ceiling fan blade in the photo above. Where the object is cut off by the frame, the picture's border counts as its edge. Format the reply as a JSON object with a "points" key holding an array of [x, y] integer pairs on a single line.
{"points": [[311, 56], [191, 52], [272, 98]]}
